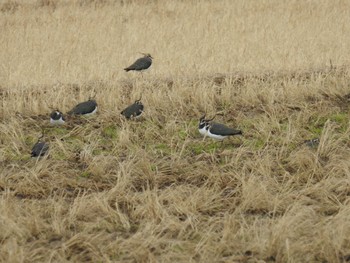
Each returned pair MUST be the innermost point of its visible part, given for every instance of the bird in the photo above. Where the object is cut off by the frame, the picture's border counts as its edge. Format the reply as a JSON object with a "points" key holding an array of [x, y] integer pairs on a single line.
{"points": [[216, 130], [56, 118], [313, 143], [134, 110], [202, 127], [40, 148], [85, 108], [141, 64]]}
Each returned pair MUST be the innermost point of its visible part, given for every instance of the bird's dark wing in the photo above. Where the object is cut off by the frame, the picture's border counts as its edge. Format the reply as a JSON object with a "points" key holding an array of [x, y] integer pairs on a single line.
{"points": [[84, 108], [140, 64], [39, 149], [218, 128], [133, 110]]}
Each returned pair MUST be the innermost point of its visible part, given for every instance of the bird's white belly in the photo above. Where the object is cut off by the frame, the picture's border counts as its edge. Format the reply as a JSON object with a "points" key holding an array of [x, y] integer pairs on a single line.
{"points": [[138, 116], [91, 113], [60, 121], [203, 131], [216, 136]]}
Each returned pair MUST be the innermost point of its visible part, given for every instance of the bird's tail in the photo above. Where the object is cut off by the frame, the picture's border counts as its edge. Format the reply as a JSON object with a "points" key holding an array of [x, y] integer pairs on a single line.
{"points": [[238, 132], [127, 69]]}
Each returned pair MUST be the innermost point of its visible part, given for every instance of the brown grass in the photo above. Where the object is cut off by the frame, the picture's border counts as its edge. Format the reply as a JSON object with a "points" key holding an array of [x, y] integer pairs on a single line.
{"points": [[152, 190]]}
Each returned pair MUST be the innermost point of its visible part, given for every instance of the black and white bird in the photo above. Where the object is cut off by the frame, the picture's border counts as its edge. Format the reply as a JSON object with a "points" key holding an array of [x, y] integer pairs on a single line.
{"points": [[216, 130], [141, 64], [56, 118], [40, 148], [134, 110], [313, 143], [203, 123], [85, 108]]}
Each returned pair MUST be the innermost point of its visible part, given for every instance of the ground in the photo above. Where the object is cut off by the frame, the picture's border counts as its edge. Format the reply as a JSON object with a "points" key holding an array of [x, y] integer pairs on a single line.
{"points": [[151, 189]]}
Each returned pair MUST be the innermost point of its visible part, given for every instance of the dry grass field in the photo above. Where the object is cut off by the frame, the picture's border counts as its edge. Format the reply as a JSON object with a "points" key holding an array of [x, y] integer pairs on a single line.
{"points": [[152, 190]]}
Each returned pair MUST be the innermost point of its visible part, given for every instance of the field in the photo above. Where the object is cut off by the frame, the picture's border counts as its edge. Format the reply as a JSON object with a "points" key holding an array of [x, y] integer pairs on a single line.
{"points": [[152, 190]]}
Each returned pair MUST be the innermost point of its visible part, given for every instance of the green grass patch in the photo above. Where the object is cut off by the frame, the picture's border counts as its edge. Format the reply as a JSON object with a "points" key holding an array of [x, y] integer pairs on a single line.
{"points": [[86, 174], [182, 134], [316, 125], [162, 148], [58, 155], [110, 132], [204, 147], [256, 144], [56, 130]]}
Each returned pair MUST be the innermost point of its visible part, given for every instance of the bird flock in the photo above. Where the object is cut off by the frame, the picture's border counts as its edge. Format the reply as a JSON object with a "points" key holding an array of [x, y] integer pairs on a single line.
{"points": [[206, 127]]}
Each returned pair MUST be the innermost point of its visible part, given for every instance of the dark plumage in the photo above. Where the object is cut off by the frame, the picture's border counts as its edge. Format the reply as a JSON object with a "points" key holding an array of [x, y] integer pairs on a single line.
{"points": [[39, 149], [141, 63], [84, 108], [223, 130], [215, 130], [133, 111]]}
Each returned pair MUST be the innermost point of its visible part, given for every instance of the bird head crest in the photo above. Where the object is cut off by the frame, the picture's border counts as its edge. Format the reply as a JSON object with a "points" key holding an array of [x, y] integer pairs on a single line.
{"points": [[147, 55], [139, 100], [202, 118], [93, 95], [212, 118]]}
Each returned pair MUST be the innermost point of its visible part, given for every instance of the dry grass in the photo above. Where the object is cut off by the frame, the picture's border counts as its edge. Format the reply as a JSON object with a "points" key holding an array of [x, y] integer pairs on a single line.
{"points": [[152, 190]]}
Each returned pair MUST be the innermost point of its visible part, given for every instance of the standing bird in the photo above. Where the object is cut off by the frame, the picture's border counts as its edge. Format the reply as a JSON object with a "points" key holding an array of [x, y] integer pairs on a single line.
{"points": [[203, 123], [56, 118], [40, 148], [141, 64], [134, 110], [216, 130], [85, 108]]}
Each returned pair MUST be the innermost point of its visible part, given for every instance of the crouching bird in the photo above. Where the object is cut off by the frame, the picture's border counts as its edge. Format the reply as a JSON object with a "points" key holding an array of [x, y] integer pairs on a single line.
{"points": [[85, 108], [141, 64], [56, 118], [40, 148], [215, 130], [134, 110]]}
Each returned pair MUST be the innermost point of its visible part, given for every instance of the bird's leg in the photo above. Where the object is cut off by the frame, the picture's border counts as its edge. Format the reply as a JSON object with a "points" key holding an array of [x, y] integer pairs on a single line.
{"points": [[204, 137]]}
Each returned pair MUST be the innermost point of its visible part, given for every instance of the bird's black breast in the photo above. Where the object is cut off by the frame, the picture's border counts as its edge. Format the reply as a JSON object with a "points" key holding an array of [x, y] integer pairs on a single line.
{"points": [[55, 115], [201, 125]]}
